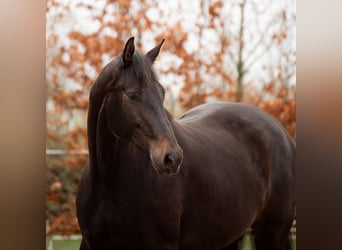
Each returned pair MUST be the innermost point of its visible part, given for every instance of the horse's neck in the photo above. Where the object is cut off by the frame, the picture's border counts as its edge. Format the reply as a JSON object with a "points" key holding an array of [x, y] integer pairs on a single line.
{"points": [[101, 143], [116, 161], [94, 107], [107, 145], [96, 99]]}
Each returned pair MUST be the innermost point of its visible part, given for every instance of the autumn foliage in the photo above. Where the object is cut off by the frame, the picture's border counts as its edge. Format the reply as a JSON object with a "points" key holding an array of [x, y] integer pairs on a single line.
{"points": [[208, 56]]}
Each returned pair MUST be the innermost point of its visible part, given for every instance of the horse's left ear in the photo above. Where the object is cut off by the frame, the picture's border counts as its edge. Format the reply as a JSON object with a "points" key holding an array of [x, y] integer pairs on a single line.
{"points": [[128, 51], [153, 53]]}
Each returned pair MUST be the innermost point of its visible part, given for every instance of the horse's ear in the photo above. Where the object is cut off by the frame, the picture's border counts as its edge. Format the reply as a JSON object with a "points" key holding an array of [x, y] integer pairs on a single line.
{"points": [[153, 53], [128, 51]]}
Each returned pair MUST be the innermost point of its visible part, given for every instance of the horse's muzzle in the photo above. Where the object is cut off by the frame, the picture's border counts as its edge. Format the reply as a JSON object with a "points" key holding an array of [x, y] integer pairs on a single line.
{"points": [[166, 159]]}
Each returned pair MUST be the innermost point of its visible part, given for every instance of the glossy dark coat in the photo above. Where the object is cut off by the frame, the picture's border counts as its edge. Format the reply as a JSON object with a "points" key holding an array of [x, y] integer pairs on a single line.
{"points": [[152, 182]]}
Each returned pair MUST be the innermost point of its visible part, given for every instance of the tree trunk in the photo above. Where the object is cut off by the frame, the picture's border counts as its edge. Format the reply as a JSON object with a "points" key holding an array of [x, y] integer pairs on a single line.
{"points": [[240, 63]]}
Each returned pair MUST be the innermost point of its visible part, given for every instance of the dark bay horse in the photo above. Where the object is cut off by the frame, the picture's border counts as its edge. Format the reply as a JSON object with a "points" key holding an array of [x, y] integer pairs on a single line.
{"points": [[155, 183]]}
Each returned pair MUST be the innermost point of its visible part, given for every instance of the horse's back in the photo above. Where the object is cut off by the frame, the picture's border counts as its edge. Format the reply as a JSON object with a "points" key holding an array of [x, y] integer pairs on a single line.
{"points": [[239, 120]]}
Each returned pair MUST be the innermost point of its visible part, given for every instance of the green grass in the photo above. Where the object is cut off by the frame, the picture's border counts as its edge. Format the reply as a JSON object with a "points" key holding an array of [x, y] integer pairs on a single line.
{"points": [[247, 242], [74, 244], [66, 244], [62, 244]]}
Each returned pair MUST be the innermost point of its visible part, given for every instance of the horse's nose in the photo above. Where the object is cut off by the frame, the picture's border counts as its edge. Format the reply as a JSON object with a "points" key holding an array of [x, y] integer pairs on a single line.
{"points": [[166, 158], [172, 160]]}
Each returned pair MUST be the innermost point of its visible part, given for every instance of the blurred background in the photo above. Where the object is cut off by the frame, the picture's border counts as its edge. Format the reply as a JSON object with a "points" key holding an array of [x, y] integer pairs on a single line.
{"points": [[238, 50]]}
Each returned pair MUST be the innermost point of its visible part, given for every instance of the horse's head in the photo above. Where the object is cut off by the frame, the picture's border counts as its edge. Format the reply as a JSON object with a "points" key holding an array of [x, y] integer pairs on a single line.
{"points": [[135, 112]]}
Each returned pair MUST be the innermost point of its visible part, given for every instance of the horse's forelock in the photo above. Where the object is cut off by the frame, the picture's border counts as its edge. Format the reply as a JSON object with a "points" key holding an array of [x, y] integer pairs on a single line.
{"points": [[143, 68]]}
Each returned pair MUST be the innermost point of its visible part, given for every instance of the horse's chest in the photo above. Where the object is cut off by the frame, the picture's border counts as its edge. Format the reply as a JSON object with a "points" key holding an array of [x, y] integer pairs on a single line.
{"points": [[133, 225]]}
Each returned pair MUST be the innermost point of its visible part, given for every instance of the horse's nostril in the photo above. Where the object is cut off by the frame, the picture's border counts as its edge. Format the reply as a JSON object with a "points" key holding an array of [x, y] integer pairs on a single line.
{"points": [[172, 159], [168, 160]]}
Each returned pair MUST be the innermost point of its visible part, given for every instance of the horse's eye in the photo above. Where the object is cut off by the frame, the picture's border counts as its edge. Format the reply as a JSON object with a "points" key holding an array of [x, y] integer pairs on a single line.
{"points": [[134, 96]]}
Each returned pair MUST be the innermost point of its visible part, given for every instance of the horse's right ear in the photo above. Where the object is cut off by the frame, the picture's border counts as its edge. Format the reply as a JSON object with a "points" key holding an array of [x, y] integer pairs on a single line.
{"points": [[153, 53], [128, 52]]}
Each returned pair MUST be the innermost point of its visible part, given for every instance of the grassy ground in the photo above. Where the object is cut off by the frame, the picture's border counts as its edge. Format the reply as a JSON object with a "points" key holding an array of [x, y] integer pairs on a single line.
{"points": [[62, 244], [66, 245], [247, 243], [74, 244]]}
